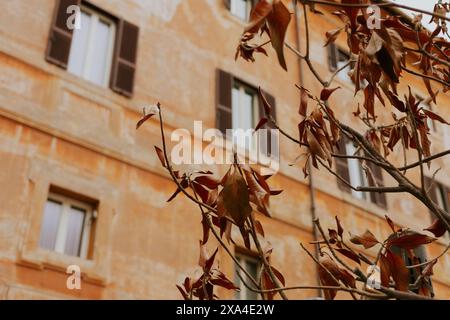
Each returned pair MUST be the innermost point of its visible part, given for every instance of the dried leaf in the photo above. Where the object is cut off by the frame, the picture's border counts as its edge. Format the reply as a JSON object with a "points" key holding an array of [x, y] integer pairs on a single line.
{"points": [[303, 102], [367, 240], [278, 22], [437, 228], [349, 254], [234, 198], [339, 227], [143, 120], [261, 124], [326, 93], [399, 272], [434, 116], [410, 240], [258, 16], [160, 154], [332, 35]]}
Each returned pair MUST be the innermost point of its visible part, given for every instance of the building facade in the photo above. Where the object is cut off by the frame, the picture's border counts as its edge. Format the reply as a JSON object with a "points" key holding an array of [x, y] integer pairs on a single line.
{"points": [[79, 185]]}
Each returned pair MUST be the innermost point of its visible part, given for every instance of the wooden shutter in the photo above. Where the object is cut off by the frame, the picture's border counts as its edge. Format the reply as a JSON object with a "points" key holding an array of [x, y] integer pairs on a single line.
{"points": [[124, 60], [223, 105], [60, 38], [378, 198], [332, 57], [271, 100], [342, 167]]}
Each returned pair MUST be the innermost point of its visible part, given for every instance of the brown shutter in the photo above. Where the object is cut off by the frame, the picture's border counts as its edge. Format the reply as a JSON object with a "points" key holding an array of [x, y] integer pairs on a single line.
{"points": [[125, 56], [332, 57], [223, 105], [267, 149], [60, 38], [378, 198], [342, 167]]}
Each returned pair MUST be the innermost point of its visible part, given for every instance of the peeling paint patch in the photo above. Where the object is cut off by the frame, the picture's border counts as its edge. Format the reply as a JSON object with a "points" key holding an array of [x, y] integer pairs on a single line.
{"points": [[165, 10]]}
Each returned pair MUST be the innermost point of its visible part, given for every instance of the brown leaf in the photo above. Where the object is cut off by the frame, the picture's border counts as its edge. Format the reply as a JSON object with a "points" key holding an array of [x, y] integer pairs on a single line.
{"points": [[367, 240], [385, 271], [399, 272], [434, 116], [303, 102], [183, 293], [437, 228], [160, 154], [332, 36], [278, 22], [326, 93], [410, 240], [349, 254], [261, 124], [234, 198], [143, 120], [258, 16], [390, 222], [340, 230], [207, 181], [347, 278], [326, 279]]}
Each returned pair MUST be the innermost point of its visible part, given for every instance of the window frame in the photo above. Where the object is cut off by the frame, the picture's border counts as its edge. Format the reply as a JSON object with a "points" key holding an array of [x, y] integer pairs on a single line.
{"points": [[96, 17], [244, 259], [61, 233]]}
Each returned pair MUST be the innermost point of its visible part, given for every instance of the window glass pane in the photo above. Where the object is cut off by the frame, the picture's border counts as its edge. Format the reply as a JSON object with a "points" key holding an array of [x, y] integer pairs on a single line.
{"points": [[343, 59], [239, 8], [100, 51], [252, 267], [242, 117], [75, 224], [355, 171], [79, 48], [50, 225]]}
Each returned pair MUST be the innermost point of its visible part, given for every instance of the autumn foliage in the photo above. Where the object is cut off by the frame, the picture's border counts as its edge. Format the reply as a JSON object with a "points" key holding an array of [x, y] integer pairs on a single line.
{"points": [[379, 59]]}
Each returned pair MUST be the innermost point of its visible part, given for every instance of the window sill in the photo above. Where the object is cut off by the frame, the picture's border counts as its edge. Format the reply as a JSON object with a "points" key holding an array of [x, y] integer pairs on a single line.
{"points": [[365, 205], [41, 259]]}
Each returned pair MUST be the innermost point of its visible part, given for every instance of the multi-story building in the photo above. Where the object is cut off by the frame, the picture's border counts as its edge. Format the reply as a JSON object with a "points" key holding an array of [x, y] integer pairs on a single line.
{"points": [[80, 186]]}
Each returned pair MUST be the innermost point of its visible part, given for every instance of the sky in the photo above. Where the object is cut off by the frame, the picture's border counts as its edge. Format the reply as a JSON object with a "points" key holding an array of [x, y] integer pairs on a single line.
{"points": [[421, 4]]}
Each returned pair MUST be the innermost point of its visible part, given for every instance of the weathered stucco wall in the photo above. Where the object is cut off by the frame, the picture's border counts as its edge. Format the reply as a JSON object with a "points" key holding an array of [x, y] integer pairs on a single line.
{"points": [[57, 129]]}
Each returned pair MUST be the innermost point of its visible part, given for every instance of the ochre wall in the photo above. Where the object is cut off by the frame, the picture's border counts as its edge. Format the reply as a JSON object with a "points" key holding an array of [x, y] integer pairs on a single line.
{"points": [[57, 129]]}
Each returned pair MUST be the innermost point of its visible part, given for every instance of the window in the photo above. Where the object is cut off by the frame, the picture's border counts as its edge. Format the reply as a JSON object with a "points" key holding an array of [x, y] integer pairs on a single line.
{"points": [[252, 266], [92, 47], [439, 194], [66, 226], [355, 170], [352, 171], [412, 258], [241, 8], [103, 50], [239, 108], [337, 59]]}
